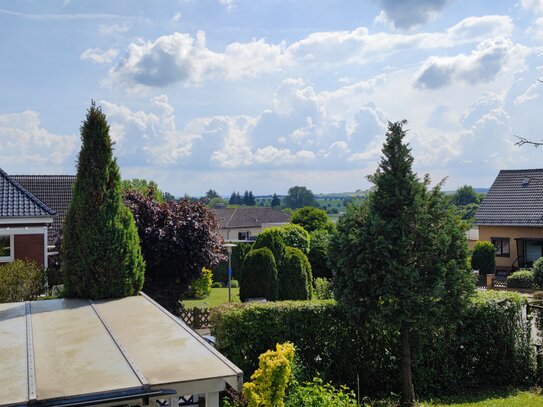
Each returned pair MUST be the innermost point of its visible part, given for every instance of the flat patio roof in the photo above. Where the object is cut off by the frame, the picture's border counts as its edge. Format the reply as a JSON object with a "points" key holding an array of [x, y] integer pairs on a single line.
{"points": [[80, 352]]}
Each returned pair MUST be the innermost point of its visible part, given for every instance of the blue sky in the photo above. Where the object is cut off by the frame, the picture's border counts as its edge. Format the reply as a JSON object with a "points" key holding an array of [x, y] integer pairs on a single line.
{"points": [[264, 95]]}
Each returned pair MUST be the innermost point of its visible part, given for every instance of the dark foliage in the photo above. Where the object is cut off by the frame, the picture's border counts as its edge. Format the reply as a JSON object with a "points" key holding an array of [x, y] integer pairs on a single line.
{"points": [[538, 272], [484, 258], [259, 275], [272, 238], [298, 197], [318, 254], [220, 272], [275, 201], [100, 249], [178, 239]]}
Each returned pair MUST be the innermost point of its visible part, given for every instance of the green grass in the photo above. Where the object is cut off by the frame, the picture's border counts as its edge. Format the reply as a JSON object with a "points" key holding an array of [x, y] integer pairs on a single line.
{"points": [[505, 398], [217, 296]]}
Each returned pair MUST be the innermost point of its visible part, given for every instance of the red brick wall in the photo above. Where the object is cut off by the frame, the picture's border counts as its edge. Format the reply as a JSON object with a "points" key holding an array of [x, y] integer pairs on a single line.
{"points": [[29, 247]]}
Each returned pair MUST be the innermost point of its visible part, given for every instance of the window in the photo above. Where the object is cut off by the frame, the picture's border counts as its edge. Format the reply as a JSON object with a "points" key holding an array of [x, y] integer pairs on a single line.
{"points": [[244, 235], [502, 246], [6, 248]]}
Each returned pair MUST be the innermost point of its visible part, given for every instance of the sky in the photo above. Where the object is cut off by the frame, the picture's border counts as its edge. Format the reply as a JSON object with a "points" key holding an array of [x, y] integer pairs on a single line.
{"points": [[237, 95]]}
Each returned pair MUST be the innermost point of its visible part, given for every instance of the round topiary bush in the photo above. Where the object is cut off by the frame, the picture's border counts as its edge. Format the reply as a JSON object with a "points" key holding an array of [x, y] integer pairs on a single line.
{"points": [[258, 275], [234, 284], [538, 272], [521, 279], [295, 278], [216, 284], [484, 258]]}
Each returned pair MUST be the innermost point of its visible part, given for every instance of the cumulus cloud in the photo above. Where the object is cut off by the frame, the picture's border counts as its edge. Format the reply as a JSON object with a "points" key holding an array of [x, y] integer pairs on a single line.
{"points": [[24, 140], [182, 58], [176, 18], [97, 56], [111, 29], [482, 65], [409, 13]]}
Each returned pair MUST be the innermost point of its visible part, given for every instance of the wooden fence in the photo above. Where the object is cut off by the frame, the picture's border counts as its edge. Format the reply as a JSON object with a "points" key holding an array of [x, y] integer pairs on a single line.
{"points": [[196, 318]]}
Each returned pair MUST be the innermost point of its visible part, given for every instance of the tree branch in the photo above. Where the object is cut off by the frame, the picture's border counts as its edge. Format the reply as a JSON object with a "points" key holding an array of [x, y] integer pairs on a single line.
{"points": [[521, 141]]}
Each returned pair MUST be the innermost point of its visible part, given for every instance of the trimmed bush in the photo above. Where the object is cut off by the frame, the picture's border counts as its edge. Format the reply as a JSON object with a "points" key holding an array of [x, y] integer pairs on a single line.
{"points": [[259, 275], [538, 272], [521, 279], [487, 345], [21, 280], [272, 239], [234, 283], [318, 394], [216, 284], [484, 258], [295, 278]]}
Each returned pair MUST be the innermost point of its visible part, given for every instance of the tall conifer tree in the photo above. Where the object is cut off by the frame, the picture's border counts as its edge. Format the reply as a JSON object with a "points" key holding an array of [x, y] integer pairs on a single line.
{"points": [[101, 251], [400, 259]]}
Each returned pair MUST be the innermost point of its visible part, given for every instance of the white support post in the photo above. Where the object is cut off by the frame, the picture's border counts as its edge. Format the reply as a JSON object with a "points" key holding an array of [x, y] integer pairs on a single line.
{"points": [[212, 399], [174, 402]]}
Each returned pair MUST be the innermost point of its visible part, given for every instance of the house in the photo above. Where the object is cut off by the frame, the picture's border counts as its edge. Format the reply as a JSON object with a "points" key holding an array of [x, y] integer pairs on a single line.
{"points": [[246, 223], [24, 223], [511, 217], [53, 190]]}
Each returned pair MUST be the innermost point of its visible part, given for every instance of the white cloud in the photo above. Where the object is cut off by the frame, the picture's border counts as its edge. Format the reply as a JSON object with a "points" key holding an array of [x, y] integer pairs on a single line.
{"points": [[229, 4], [181, 58], [482, 65], [25, 141], [97, 56], [176, 18], [535, 6], [110, 29], [406, 14]]}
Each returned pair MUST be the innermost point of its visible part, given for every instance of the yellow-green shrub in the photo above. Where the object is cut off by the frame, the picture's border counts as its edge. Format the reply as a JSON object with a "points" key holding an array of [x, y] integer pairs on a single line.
{"points": [[21, 280], [270, 380]]}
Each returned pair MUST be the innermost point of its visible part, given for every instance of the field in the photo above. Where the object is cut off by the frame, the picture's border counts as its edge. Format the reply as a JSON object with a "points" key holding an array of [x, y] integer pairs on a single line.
{"points": [[217, 296]]}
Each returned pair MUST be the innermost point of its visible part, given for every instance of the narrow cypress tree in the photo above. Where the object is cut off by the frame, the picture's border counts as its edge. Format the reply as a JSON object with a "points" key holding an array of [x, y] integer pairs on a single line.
{"points": [[101, 251]]}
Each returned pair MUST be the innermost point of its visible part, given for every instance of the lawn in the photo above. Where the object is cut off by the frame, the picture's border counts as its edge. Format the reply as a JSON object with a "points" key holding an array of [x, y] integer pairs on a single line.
{"points": [[512, 398], [217, 296]]}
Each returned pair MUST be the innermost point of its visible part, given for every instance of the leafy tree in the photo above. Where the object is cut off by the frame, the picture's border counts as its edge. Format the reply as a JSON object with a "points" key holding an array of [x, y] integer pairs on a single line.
{"points": [[538, 272], [144, 187], [298, 197], [400, 258], [465, 195], [178, 239], [275, 201], [295, 236], [311, 219], [212, 194], [259, 275], [101, 251], [217, 203], [484, 257]]}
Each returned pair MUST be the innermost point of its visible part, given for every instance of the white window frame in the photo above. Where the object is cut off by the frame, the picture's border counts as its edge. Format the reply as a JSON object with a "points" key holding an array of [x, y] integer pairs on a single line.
{"points": [[8, 259]]}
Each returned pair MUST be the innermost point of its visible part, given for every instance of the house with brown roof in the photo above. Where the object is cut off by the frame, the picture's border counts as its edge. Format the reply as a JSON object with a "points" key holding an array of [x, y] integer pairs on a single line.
{"points": [[24, 223], [243, 224], [511, 217]]}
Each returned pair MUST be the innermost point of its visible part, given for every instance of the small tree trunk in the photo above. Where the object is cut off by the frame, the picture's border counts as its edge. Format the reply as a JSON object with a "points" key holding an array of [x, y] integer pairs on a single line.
{"points": [[408, 393]]}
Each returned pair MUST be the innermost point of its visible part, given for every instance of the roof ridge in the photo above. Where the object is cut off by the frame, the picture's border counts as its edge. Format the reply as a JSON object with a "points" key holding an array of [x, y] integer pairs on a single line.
{"points": [[27, 193], [231, 216]]}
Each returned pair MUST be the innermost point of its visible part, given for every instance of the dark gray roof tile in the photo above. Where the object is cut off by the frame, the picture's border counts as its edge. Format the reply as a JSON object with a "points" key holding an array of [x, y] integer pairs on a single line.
{"points": [[248, 217], [514, 199]]}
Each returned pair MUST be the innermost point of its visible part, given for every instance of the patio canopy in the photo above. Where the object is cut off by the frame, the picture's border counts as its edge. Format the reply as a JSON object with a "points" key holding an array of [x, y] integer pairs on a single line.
{"points": [[70, 352]]}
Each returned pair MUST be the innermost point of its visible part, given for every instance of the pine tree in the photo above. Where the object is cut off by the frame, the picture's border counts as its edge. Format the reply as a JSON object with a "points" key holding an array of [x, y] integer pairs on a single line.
{"points": [[400, 259], [251, 201], [245, 199], [275, 201], [101, 251], [233, 199]]}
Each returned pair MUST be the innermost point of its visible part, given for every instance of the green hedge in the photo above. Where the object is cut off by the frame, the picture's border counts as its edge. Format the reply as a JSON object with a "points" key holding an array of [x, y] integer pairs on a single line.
{"points": [[521, 279], [295, 278], [21, 280], [484, 257], [485, 346]]}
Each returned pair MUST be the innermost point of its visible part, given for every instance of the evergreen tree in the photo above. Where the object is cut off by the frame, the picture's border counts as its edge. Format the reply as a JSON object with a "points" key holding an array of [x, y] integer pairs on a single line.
{"points": [[275, 201], [400, 258], [101, 250], [233, 199], [212, 194], [245, 199], [251, 201]]}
